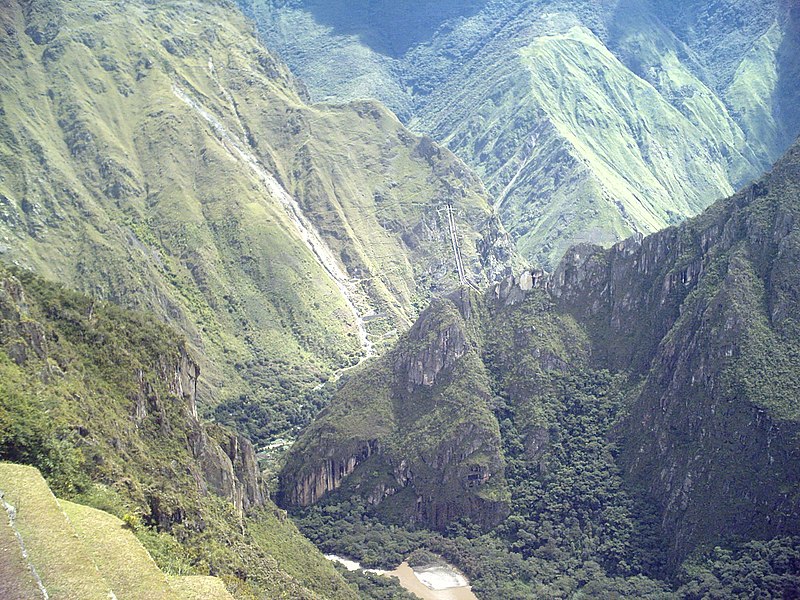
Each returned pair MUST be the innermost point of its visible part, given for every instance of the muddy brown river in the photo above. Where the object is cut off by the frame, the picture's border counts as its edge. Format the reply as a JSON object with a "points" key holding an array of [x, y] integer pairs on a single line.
{"points": [[440, 582]]}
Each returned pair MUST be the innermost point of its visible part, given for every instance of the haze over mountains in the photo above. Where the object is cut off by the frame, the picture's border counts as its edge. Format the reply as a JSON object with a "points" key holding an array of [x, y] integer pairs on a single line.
{"points": [[385, 286], [587, 121]]}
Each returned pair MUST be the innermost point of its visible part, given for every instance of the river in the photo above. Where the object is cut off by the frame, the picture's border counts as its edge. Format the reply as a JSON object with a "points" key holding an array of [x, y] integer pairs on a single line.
{"points": [[435, 582]]}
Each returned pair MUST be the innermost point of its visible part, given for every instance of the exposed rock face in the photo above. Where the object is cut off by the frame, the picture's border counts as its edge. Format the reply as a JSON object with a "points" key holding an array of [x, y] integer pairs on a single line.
{"points": [[166, 395], [328, 476], [228, 466], [512, 290], [227, 461], [18, 332], [434, 349], [427, 447], [497, 252]]}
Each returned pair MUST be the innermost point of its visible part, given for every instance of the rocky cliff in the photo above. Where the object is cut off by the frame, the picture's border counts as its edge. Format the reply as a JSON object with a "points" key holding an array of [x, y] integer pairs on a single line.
{"points": [[701, 313], [163, 403], [697, 326], [104, 402], [420, 443]]}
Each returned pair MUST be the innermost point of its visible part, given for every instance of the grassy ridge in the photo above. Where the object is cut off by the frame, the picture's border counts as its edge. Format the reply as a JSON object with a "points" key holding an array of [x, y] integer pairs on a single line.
{"points": [[587, 122], [145, 150]]}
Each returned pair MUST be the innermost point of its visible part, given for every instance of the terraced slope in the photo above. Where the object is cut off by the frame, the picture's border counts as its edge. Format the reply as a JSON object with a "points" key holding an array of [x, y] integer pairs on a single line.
{"points": [[587, 121], [157, 155], [199, 587], [55, 553], [16, 579], [80, 552], [118, 555]]}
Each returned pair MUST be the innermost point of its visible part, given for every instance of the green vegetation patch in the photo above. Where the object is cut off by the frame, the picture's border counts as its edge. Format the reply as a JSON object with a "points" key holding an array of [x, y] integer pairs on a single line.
{"points": [[60, 558]]}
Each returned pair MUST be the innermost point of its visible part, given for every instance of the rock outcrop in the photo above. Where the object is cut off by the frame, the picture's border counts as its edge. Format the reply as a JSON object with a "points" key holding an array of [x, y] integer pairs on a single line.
{"points": [[21, 335], [328, 476], [163, 404], [228, 465], [432, 349], [426, 448]]}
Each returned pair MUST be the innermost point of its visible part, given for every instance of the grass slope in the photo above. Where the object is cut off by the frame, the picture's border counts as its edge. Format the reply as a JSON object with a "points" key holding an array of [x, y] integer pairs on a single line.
{"points": [[119, 556], [197, 587], [147, 151], [60, 558], [586, 121]]}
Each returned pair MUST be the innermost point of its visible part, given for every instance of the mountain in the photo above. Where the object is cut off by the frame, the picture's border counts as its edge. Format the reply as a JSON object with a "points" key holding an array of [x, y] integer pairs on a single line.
{"points": [[156, 155], [587, 121], [204, 258], [103, 402], [638, 405]]}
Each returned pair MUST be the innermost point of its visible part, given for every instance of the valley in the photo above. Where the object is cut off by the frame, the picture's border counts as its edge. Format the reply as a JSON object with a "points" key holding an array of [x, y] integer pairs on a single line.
{"points": [[588, 122], [332, 300], [286, 240], [548, 416]]}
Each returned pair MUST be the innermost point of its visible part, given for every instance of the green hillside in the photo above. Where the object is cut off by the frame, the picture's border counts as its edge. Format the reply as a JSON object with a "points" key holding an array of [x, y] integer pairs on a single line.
{"points": [[157, 155], [627, 427], [104, 403], [587, 121], [460, 282]]}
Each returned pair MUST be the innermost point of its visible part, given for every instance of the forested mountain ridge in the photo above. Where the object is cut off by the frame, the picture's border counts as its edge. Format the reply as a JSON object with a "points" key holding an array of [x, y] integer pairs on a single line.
{"points": [[586, 120], [642, 399], [155, 154]]}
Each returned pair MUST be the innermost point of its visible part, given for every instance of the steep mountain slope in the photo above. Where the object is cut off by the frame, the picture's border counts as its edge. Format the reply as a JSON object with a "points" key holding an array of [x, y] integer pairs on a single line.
{"points": [[713, 432], [425, 431], [587, 121], [155, 154], [646, 398], [103, 402]]}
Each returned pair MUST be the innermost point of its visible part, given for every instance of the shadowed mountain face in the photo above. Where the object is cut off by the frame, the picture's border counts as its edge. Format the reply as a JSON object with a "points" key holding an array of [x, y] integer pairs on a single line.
{"points": [[587, 121], [388, 27]]}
